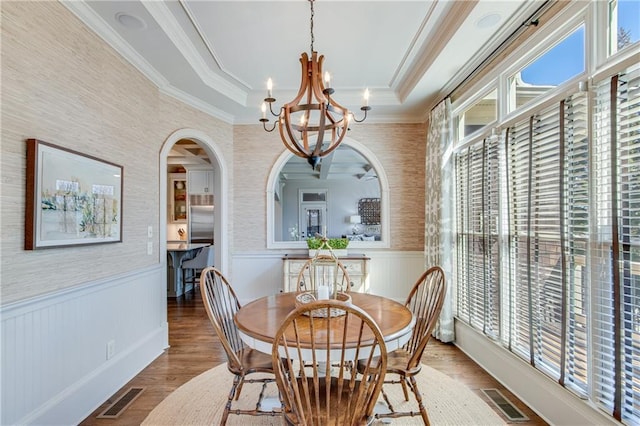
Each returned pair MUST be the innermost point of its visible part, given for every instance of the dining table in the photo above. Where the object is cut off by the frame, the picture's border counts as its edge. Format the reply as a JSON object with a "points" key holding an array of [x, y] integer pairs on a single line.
{"points": [[175, 253], [259, 320]]}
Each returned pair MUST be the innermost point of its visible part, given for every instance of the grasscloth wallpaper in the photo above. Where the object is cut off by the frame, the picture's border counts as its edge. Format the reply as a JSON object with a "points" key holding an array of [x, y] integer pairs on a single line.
{"points": [[62, 84], [399, 147]]}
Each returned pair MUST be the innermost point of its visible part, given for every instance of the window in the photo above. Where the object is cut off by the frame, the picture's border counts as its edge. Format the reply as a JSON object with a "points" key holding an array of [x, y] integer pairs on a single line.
{"points": [[624, 24], [617, 243], [547, 178], [547, 232], [557, 65], [572, 210], [481, 113], [478, 297]]}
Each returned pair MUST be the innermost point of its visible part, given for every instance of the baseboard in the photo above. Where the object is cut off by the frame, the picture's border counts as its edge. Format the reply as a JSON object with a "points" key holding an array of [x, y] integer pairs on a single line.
{"points": [[79, 400], [552, 402]]}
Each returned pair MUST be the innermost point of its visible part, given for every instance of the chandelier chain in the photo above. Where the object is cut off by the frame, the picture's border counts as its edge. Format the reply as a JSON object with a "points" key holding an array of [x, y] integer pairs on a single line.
{"points": [[311, 26]]}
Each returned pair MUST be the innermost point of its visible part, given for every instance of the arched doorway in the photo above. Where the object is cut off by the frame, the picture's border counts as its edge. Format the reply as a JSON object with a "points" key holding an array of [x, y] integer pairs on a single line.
{"points": [[220, 193]]}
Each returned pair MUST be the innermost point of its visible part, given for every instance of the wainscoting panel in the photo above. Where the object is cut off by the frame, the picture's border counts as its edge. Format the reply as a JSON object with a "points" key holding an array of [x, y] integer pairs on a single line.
{"points": [[256, 274], [64, 354], [392, 273]]}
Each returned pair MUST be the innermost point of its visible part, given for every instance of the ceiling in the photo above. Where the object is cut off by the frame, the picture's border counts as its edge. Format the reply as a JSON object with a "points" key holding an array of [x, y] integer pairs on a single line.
{"points": [[217, 55]]}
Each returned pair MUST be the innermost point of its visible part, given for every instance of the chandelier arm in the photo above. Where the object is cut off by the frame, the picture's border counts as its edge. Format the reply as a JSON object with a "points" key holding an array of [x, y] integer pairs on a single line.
{"points": [[365, 109], [264, 125], [271, 109]]}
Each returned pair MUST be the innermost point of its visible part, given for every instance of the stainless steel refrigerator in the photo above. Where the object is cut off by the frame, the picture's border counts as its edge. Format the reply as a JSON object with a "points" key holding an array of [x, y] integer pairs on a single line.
{"points": [[201, 219]]}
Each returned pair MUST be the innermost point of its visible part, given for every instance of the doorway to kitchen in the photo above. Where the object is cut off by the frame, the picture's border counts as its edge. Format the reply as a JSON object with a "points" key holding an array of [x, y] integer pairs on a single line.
{"points": [[218, 190]]}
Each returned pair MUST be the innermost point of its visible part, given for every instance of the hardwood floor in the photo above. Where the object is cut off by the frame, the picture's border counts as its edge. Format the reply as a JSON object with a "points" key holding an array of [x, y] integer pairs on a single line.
{"points": [[194, 348]]}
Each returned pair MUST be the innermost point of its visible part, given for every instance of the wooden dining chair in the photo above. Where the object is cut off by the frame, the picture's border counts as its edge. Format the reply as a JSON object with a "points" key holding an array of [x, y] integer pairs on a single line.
{"points": [[323, 269], [425, 301], [312, 358], [221, 304]]}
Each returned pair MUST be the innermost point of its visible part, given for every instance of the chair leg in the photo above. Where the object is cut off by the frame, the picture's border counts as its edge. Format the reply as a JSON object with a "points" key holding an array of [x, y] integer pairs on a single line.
{"points": [[423, 411], [386, 399], [227, 408], [240, 383], [403, 382]]}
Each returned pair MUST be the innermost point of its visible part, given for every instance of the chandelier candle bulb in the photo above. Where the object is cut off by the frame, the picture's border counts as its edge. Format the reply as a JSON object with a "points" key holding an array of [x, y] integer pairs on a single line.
{"points": [[366, 97], [269, 87], [264, 110], [327, 79]]}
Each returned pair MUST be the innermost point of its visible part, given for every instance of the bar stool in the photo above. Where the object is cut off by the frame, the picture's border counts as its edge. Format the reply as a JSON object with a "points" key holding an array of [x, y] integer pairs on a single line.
{"points": [[191, 268]]}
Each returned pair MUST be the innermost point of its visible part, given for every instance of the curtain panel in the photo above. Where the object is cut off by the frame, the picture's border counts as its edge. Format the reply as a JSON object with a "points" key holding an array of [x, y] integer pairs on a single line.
{"points": [[438, 211]]}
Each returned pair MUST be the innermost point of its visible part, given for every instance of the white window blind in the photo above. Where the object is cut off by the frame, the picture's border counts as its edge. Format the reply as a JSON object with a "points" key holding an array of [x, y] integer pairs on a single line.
{"points": [[547, 201], [568, 285], [616, 253], [478, 296]]}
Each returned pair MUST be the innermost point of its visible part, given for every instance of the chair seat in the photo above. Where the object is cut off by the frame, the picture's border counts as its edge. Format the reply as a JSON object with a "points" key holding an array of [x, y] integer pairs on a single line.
{"points": [[252, 362], [397, 362]]}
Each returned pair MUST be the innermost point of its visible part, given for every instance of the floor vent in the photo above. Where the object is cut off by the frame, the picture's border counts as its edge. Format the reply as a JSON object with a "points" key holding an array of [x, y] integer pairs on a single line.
{"points": [[114, 410], [506, 406]]}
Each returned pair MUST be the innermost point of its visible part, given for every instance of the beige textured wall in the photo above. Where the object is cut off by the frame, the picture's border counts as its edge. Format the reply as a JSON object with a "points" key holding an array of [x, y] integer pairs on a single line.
{"points": [[64, 85], [401, 148]]}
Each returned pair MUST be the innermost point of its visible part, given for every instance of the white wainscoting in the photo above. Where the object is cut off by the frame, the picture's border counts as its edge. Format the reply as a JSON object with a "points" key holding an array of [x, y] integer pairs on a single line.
{"points": [[547, 398], [392, 273], [54, 347]]}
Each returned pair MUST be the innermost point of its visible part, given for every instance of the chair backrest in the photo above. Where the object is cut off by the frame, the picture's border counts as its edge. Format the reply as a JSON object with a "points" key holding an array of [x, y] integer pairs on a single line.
{"points": [[221, 304], [425, 301], [201, 260], [323, 269], [327, 390]]}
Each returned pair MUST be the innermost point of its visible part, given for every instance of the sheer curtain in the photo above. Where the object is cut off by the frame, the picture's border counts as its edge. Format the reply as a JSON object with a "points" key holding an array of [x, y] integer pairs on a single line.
{"points": [[439, 217]]}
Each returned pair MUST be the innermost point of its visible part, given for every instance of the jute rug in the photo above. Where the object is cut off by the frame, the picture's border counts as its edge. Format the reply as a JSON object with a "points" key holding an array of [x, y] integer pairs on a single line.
{"points": [[201, 401]]}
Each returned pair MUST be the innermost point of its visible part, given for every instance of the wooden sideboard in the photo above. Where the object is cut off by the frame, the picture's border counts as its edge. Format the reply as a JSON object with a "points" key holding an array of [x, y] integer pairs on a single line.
{"points": [[357, 266]]}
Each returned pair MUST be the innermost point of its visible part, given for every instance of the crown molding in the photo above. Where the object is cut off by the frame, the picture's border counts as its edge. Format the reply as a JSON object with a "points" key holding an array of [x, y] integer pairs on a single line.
{"points": [[167, 22], [197, 103], [455, 15]]}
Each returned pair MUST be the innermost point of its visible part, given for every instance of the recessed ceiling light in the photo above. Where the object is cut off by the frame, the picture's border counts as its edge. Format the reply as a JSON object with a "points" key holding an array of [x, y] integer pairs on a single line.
{"points": [[488, 20], [130, 21]]}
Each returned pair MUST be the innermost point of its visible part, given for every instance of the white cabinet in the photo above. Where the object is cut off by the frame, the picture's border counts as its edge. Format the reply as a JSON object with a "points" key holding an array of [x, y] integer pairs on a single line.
{"points": [[357, 267], [177, 198], [200, 181]]}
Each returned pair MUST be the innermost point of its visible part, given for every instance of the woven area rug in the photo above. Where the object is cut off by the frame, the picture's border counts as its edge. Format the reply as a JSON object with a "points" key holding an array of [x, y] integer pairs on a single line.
{"points": [[201, 401]]}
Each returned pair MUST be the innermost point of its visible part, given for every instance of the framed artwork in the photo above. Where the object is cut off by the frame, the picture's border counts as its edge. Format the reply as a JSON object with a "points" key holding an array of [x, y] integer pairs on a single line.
{"points": [[71, 198]]}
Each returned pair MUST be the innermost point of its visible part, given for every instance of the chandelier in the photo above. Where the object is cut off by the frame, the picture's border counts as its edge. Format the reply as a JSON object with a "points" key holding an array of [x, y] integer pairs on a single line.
{"points": [[316, 127]]}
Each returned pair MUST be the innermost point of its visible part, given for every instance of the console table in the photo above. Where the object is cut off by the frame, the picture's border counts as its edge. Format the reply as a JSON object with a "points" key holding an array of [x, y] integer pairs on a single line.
{"points": [[357, 266]]}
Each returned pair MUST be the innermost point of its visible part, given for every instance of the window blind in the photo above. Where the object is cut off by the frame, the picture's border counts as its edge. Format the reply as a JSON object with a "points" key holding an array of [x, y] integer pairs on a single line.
{"points": [[548, 180], [575, 232], [616, 253], [478, 292]]}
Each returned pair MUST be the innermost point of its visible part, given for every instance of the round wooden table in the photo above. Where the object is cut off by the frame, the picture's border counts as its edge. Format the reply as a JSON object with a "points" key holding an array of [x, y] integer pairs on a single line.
{"points": [[259, 320]]}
